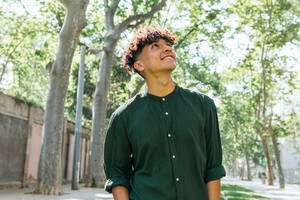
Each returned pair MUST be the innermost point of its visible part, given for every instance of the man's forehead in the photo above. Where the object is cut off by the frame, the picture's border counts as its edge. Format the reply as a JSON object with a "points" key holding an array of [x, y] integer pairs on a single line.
{"points": [[159, 40]]}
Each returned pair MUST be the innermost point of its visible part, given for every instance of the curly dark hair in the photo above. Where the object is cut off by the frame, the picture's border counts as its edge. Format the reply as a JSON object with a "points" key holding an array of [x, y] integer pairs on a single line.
{"points": [[143, 36]]}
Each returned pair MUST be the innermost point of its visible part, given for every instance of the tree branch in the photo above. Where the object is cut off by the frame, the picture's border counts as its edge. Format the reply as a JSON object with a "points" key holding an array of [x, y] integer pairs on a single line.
{"points": [[9, 55], [126, 23], [114, 6], [150, 21], [92, 50], [167, 17], [24, 7], [95, 51], [110, 13], [185, 36], [108, 16], [136, 24]]}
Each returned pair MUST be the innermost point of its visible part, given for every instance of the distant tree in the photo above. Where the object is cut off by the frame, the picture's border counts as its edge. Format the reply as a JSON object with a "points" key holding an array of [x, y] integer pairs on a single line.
{"points": [[236, 122], [271, 25]]}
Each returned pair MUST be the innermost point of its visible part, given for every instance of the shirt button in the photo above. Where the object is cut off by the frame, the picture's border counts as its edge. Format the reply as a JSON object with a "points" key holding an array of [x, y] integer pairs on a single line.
{"points": [[166, 113], [163, 99], [177, 179], [169, 135], [173, 156]]}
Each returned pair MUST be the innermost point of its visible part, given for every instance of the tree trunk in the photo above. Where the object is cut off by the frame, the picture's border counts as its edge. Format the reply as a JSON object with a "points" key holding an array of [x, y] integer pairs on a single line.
{"points": [[96, 175], [269, 164], [248, 166], [49, 173], [242, 172], [140, 84], [277, 155], [268, 158], [263, 138]]}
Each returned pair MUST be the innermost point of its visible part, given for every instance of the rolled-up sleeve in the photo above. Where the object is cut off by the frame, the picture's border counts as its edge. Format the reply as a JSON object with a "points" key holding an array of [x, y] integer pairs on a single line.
{"points": [[214, 168], [117, 151]]}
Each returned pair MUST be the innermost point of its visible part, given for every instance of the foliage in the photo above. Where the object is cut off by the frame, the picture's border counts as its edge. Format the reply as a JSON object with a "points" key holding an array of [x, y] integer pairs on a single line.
{"points": [[263, 75], [25, 50], [264, 72], [235, 192], [236, 123]]}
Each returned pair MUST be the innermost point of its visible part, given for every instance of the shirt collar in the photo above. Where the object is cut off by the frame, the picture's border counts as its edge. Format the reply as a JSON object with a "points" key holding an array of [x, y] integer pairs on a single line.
{"points": [[164, 98]]}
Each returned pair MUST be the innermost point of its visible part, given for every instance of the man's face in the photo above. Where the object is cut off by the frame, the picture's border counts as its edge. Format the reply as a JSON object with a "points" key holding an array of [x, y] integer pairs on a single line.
{"points": [[155, 58]]}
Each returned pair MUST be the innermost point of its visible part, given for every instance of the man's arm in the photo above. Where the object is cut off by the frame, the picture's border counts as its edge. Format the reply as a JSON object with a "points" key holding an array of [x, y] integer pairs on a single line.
{"points": [[117, 155], [214, 168], [214, 189], [120, 193]]}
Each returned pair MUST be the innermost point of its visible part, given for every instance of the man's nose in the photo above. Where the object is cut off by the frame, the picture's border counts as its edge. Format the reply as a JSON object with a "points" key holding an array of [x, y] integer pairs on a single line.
{"points": [[168, 48]]}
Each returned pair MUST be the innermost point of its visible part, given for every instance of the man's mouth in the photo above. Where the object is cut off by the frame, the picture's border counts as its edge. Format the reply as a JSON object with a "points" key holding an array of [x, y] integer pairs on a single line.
{"points": [[168, 57]]}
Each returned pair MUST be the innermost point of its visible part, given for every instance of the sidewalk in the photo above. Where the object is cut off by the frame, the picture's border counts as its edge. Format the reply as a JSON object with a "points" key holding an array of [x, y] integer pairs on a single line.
{"points": [[291, 191], [82, 194]]}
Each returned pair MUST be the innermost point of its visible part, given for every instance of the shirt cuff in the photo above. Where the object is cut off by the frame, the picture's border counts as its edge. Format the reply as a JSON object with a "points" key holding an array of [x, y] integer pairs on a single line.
{"points": [[114, 181], [215, 173]]}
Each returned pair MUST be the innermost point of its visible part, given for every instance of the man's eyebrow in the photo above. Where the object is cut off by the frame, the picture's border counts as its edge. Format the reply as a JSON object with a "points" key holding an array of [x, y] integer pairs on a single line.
{"points": [[153, 42]]}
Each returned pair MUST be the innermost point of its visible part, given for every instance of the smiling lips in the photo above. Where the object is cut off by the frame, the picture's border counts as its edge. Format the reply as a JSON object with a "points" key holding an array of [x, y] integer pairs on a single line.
{"points": [[168, 56]]}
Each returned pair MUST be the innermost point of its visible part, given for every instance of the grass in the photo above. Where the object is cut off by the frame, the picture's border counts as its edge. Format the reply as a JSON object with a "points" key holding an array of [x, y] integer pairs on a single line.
{"points": [[234, 192]]}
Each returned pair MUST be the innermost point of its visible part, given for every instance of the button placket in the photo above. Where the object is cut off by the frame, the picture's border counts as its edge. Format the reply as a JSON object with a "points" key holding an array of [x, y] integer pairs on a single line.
{"points": [[171, 141], [171, 138], [163, 100]]}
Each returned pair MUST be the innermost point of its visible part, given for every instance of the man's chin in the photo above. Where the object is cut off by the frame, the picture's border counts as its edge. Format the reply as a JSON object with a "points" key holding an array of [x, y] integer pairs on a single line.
{"points": [[172, 67]]}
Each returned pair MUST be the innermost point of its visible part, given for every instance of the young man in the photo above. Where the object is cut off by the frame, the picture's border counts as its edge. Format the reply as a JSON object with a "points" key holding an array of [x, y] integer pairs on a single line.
{"points": [[163, 144]]}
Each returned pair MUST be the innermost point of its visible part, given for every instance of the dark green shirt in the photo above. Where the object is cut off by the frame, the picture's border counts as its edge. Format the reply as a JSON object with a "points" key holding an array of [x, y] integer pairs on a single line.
{"points": [[164, 148]]}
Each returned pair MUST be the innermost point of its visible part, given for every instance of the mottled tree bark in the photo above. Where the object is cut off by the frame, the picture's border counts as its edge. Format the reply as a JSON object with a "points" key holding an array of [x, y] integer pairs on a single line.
{"points": [[49, 173], [277, 156], [249, 177], [264, 142]]}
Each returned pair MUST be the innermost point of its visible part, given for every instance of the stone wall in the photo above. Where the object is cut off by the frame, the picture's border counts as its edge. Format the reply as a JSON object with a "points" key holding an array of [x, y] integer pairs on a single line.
{"points": [[12, 147], [21, 141]]}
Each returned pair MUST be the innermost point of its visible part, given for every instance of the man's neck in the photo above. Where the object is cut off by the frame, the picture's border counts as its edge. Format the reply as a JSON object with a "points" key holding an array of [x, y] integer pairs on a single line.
{"points": [[161, 86]]}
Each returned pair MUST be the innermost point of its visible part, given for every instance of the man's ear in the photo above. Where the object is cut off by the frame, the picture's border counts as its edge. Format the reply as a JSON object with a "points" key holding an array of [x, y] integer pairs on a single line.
{"points": [[138, 65]]}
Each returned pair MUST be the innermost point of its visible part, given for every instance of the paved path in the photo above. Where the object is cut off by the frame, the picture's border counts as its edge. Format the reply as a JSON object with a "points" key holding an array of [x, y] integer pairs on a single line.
{"points": [[291, 191], [82, 194]]}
